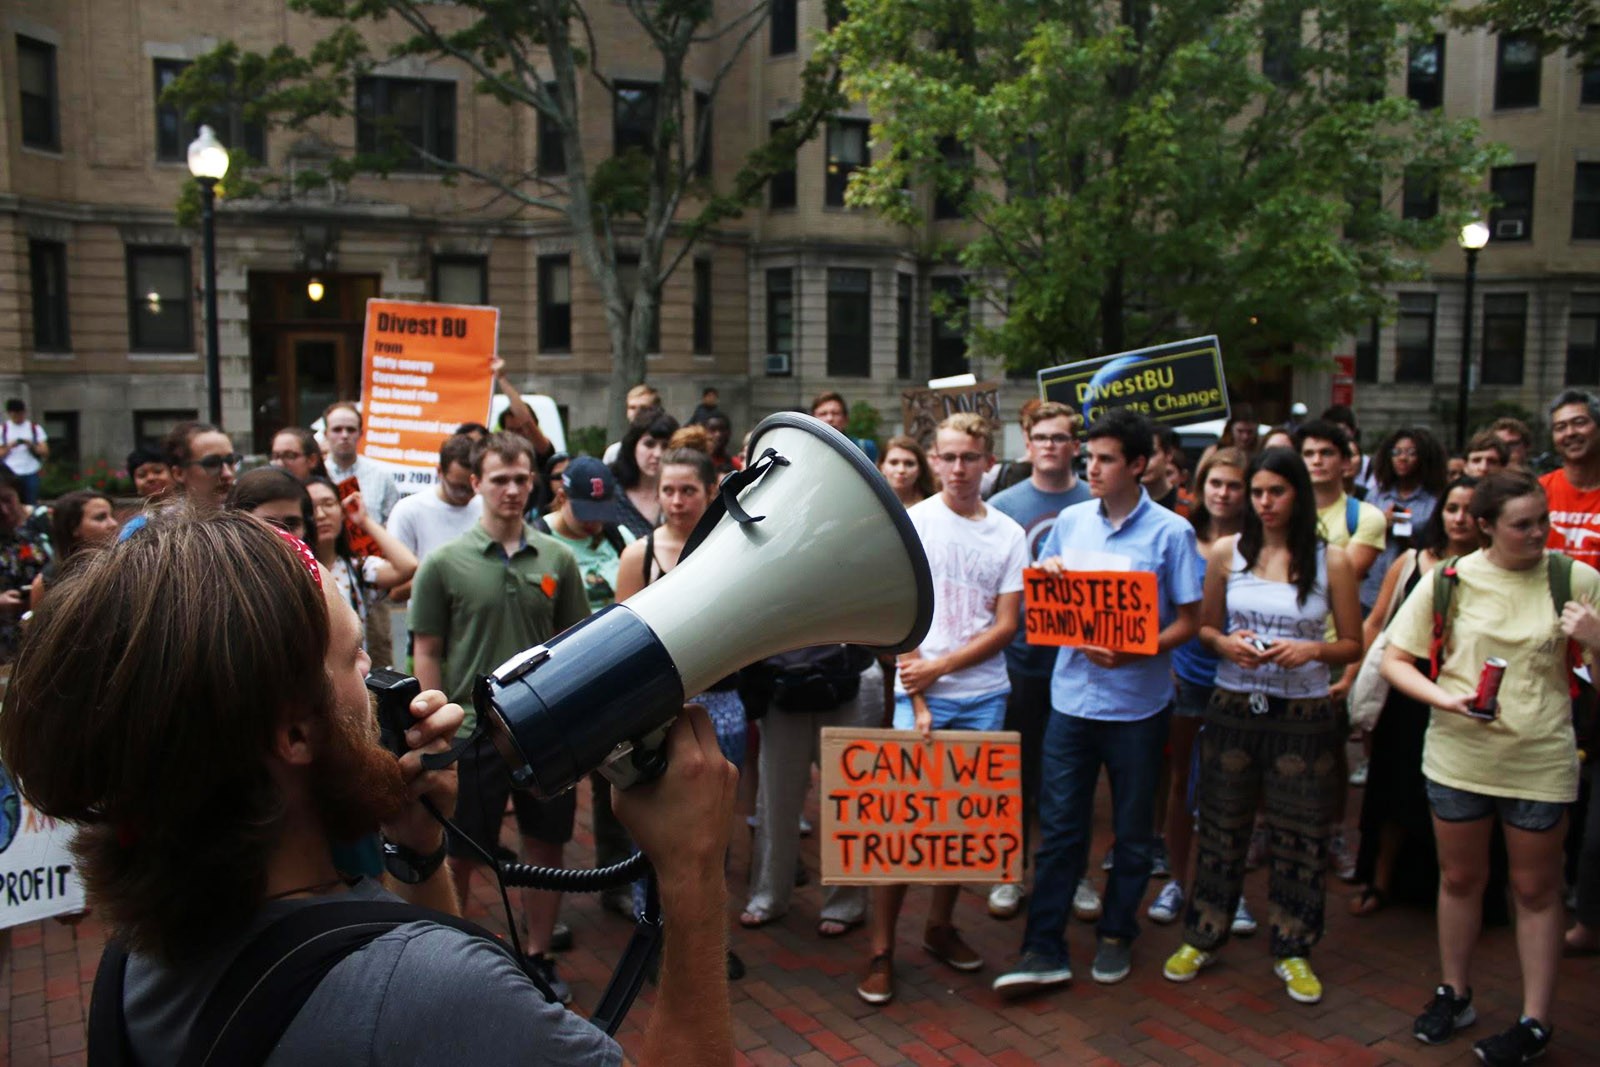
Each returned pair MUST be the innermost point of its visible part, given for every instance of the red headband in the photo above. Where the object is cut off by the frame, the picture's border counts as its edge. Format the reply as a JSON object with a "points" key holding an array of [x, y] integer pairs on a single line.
{"points": [[304, 553]]}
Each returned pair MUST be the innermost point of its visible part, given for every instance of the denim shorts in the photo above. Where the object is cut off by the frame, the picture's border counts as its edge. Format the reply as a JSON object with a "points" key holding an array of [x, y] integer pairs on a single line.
{"points": [[1450, 804], [1190, 700], [987, 712]]}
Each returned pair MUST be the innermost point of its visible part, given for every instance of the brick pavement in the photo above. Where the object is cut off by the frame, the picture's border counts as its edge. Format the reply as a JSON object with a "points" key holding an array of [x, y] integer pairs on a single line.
{"points": [[797, 1004]]}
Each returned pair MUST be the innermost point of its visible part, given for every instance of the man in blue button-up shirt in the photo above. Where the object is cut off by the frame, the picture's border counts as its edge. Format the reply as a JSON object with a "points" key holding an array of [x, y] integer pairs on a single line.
{"points": [[1109, 709]]}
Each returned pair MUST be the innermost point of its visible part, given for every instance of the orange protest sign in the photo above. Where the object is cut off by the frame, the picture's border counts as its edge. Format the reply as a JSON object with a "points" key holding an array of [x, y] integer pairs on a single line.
{"points": [[898, 809], [1112, 609], [424, 371]]}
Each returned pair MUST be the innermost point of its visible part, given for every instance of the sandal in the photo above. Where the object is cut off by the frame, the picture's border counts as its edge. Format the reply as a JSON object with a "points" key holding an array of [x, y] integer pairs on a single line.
{"points": [[836, 927], [755, 918], [1369, 901]]}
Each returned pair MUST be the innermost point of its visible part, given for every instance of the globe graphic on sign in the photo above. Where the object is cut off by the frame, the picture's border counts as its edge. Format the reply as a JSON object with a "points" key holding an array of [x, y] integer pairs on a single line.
{"points": [[1111, 372], [10, 810]]}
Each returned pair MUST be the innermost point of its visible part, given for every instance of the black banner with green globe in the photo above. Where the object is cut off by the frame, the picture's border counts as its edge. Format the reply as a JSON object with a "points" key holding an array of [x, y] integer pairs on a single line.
{"points": [[1177, 384]]}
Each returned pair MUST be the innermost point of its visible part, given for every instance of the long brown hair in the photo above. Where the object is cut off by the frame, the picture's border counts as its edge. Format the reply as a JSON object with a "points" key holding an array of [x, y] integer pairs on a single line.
{"points": [[926, 483], [143, 707], [1226, 456]]}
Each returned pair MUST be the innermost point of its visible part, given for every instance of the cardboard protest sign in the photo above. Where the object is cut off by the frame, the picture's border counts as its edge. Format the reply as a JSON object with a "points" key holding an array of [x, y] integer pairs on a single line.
{"points": [[424, 371], [1112, 609], [922, 410], [38, 876], [1174, 384], [898, 809]]}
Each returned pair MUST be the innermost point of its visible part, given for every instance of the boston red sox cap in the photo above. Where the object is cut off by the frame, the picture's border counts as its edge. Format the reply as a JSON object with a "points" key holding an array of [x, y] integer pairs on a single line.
{"points": [[592, 490]]}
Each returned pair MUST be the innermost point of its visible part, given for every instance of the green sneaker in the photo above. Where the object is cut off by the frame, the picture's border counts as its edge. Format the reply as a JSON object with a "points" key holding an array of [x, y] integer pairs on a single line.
{"points": [[1299, 981], [1184, 964]]}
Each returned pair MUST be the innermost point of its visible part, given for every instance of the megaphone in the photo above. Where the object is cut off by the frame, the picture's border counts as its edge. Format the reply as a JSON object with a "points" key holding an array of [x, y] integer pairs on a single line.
{"points": [[806, 546]]}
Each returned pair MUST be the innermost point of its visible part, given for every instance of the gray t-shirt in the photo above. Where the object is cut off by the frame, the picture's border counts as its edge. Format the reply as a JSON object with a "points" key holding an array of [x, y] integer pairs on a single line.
{"points": [[1035, 511], [420, 994]]}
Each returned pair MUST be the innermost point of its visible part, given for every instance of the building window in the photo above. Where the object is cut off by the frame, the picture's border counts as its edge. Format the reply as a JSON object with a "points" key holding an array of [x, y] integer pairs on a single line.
{"points": [[552, 148], [849, 323], [555, 303], [628, 281], [1586, 202], [150, 428], [781, 192], [1280, 43], [1419, 198], [949, 314], [1583, 340], [1425, 73], [783, 26], [1505, 334], [847, 153], [948, 202], [702, 306], [702, 135], [461, 279], [408, 118], [36, 78], [780, 316], [1367, 351], [174, 132], [1511, 219], [633, 116], [61, 427], [1516, 77], [1413, 338], [1589, 83], [47, 267], [159, 286], [902, 326]]}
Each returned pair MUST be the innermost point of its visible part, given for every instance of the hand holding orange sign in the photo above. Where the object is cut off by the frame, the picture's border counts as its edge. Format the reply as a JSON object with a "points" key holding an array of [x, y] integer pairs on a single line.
{"points": [[1112, 610]]}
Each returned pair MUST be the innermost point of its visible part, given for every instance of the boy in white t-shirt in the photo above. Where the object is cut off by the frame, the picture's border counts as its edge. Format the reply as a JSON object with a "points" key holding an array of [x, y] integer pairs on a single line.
{"points": [[976, 555], [25, 448]]}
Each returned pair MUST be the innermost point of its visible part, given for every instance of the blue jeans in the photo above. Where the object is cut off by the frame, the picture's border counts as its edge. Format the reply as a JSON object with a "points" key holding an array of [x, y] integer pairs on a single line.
{"points": [[1074, 751], [987, 712]]}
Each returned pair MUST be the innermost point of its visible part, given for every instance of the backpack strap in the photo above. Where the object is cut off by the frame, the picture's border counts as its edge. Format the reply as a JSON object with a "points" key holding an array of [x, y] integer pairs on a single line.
{"points": [[1445, 580], [613, 535], [1352, 514], [1560, 592], [267, 983]]}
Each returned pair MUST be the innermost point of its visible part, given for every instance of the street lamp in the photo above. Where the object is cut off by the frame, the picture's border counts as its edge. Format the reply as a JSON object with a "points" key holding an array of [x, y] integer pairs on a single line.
{"points": [[208, 162], [1474, 235]]}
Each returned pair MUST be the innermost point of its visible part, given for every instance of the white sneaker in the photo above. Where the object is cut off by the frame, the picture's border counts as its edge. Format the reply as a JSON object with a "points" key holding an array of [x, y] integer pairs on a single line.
{"points": [[1358, 775], [1244, 924], [1168, 904], [1086, 901], [1341, 857], [1005, 900]]}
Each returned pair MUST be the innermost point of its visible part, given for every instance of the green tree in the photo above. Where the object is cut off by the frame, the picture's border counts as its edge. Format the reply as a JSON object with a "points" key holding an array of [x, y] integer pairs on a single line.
{"points": [[1570, 26], [530, 56], [1135, 172]]}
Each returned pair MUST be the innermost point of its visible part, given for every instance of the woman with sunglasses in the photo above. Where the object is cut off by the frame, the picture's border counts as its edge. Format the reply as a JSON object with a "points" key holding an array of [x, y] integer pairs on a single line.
{"points": [[276, 496], [1271, 734], [203, 465], [360, 581]]}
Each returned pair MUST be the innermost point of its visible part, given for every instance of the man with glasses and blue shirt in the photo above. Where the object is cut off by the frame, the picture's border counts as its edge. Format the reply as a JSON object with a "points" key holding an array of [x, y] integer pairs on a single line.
{"points": [[1050, 431], [1109, 709], [203, 465]]}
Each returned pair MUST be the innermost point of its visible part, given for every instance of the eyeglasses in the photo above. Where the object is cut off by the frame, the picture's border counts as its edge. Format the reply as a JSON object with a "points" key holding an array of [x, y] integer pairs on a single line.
{"points": [[1057, 439], [214, 464], [950, 459], [324, 505], [1403, 453], [286, 457]]}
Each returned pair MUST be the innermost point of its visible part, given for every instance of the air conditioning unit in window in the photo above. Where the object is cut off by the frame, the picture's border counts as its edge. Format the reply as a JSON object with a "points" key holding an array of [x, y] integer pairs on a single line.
{"points": [[778, 363], [1508, 229]]}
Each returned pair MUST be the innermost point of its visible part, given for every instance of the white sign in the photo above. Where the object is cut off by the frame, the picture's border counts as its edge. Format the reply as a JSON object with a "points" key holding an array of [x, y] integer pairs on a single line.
{"points": [[38, 876]]}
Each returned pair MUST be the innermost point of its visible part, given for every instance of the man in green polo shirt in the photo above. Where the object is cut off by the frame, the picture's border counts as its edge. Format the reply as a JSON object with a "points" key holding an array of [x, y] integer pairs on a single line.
{"points": [[496, 590]]}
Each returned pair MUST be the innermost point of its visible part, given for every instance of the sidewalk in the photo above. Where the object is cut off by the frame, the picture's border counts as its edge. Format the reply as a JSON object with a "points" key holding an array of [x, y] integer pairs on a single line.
{"points": [[798, 1004]]}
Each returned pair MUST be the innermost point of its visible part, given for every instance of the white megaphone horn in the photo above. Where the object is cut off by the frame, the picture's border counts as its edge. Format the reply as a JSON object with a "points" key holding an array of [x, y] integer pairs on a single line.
{"points": [[806, 546]]}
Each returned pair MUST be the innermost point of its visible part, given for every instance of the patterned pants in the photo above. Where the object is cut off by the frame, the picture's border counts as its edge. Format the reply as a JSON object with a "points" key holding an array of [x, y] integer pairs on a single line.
{"points": [[1289, 758]]}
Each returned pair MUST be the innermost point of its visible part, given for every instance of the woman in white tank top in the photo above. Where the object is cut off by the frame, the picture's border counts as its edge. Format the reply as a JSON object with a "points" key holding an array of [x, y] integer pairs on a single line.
{"points": [[1271, 732]]}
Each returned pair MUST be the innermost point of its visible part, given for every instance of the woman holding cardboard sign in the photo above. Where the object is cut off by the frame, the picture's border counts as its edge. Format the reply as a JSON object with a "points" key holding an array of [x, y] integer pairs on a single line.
{"points": [[1271, 732]]}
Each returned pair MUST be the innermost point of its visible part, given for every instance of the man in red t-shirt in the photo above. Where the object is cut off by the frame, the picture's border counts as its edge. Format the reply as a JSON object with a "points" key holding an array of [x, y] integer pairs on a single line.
{"points": [[1574, 490]]}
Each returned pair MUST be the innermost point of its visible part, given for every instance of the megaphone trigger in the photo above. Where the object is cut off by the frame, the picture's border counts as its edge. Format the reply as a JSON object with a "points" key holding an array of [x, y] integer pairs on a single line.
{"points": [[639, 760]]}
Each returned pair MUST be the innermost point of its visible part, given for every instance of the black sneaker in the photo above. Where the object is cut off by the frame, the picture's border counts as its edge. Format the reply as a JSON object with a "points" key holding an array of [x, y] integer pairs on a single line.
{"points": [[561, 937], [1521, 1043], [1445, 1014], [545, 968]]}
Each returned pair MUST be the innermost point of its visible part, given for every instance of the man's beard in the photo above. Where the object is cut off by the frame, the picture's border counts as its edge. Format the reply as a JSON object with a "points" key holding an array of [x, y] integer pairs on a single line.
{"points": [[356, 783]]}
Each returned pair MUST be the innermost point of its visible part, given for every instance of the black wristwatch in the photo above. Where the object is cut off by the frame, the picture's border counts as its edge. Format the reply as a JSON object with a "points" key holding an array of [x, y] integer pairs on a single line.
{"points": [[409, 866]]}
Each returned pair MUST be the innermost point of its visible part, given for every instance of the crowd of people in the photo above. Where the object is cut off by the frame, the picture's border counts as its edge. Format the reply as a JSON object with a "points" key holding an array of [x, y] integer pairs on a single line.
{"points": [[1304, 589]]}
